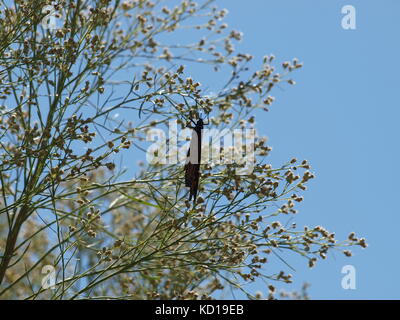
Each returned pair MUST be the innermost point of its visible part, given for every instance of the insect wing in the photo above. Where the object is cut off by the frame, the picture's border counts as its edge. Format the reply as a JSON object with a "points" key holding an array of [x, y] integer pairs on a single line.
{"points": [[192, 166], [193, 152]]}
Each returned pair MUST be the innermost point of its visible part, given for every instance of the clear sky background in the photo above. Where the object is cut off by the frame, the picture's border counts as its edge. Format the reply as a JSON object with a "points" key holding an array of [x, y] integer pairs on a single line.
{"points": [[343, 116]]}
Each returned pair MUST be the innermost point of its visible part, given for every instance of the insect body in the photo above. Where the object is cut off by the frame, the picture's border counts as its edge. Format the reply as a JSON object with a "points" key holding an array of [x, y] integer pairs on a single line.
{"points": [[192, 166]]}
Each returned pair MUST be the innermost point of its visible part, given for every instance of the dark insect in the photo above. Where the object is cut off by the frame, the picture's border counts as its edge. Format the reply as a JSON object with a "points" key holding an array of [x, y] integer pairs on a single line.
{"points": [[192, 166]]}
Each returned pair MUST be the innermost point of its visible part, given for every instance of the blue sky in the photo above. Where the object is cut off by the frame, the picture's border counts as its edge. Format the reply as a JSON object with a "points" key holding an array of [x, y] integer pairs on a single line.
{"points": [[342, 116]]}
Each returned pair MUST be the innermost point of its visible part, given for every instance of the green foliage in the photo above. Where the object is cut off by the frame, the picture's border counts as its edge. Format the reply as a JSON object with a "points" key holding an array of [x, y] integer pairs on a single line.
{"points": [[73, 208]]}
